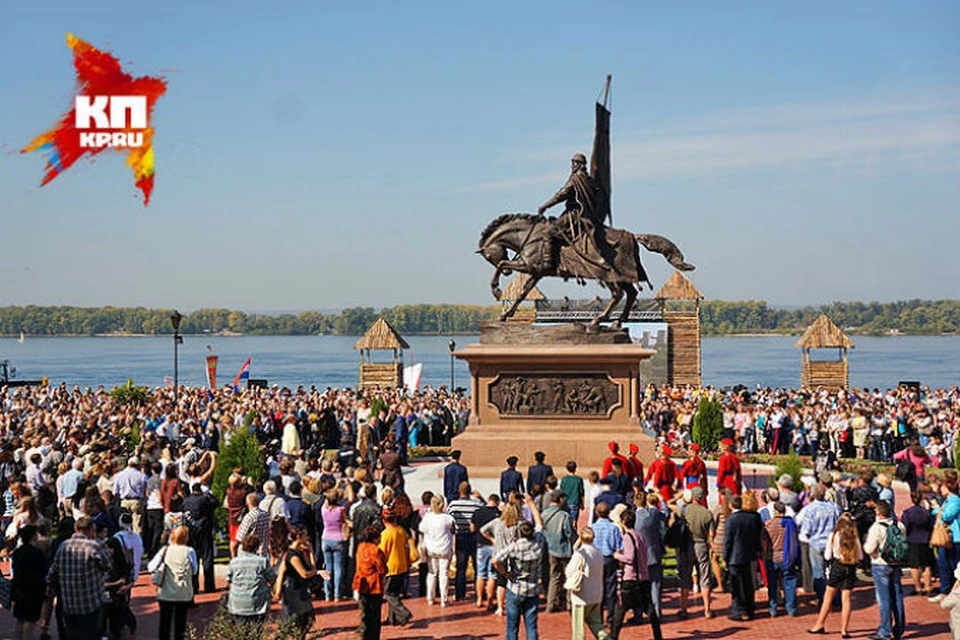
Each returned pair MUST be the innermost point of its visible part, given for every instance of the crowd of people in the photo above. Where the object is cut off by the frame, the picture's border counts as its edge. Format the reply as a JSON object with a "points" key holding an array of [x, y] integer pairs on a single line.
{"points": [[96, 491], [857, 424]]}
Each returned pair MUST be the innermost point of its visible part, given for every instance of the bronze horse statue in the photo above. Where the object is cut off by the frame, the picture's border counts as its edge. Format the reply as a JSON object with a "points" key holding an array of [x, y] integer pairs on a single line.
{"points": [[539, 250]]}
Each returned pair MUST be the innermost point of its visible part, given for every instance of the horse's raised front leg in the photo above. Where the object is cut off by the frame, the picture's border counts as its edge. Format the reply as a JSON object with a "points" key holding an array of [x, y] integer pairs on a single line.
{"points": [[616, 292], [495, 284], [527, 288]]}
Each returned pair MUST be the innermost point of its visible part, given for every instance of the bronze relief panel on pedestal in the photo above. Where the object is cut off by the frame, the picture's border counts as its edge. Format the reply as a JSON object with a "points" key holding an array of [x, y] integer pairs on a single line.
{"points": [[568, 395]]}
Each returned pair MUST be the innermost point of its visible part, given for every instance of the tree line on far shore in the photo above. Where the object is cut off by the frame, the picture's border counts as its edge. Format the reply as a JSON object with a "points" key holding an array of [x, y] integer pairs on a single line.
{"points": [[718, 317]]}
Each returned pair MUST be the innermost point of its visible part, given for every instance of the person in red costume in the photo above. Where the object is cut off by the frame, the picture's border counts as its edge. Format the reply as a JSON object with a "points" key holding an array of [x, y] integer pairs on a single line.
{"points": [[634, 466], [614, 455], [728, 469], [694, 472], [664, 473]]}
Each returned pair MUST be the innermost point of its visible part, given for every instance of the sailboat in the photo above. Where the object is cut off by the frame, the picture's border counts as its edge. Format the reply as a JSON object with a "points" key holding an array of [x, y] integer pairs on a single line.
{"points": [[22, 338]]}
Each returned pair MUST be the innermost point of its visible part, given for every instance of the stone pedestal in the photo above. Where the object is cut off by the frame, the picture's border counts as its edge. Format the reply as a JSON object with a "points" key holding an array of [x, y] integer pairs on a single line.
{"points": [[564, 392]]}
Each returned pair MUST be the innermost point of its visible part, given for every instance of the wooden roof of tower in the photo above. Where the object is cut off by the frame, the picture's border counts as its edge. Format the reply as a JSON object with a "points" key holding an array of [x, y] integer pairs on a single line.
{"points": [[678, 287], [513, 289], [381, 336], [823, 334]]}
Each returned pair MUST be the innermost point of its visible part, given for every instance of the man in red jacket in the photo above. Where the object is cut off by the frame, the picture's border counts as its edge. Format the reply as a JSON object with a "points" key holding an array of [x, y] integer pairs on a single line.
{"points": [[614, 455], [694, 472], [664, 473], [728, 469], [634, 466]]}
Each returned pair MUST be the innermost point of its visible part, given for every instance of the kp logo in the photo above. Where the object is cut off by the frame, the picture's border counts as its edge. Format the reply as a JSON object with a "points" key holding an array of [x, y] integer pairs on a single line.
{"points": [[111, 111]]}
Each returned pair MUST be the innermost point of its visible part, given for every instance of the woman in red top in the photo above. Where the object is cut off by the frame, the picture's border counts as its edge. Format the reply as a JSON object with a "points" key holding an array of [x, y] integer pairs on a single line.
{"points": [[170, 487], [917, 455], [368, 582]]}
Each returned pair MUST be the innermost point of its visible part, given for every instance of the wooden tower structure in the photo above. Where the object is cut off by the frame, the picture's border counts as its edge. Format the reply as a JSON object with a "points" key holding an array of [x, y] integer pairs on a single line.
{"points": [[683, 329], [831, 374], [526, 312], [381, 337]]}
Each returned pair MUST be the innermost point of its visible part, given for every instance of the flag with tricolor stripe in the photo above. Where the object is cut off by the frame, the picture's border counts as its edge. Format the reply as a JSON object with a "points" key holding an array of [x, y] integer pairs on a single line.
{"points": [[244, 373]]}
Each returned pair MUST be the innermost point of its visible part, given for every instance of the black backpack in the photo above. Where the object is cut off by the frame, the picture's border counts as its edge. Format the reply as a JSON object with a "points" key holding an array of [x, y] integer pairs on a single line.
{"points": [[905, 471]]}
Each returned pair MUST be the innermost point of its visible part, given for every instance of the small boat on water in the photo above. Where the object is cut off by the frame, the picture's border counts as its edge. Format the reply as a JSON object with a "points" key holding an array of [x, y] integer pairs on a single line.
{"points": [[22, 338]]}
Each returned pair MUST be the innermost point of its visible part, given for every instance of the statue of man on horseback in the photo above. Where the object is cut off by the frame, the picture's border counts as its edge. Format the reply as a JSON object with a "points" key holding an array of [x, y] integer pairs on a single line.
{"points": [[578, 244]]}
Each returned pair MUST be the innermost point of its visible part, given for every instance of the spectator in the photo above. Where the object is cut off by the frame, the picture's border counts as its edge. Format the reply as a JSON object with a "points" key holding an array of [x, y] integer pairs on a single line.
{"points": [[559, 535], [200, 505], [843, 552], [78, 574], [919, 525], [486, 576], [635, 591], [780, 548], [255, 522], [741, 542], [650, 524], [700, 521], [438, 528], [949, 512], [520, 562], [251, 579], [502, 532], [368, 582], [584, 579], [462, 510], [296, 571], [787, 495], [177, 564], [394, 545], [608, 540], [886, 573], [572, 486], [333, 543], [28, 591], [817, 521]]}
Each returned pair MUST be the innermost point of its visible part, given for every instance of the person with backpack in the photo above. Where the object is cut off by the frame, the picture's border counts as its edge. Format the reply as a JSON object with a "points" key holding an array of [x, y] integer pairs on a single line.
{"points": [[911, 462], [949, 514], [887, 547], [780, 547]]}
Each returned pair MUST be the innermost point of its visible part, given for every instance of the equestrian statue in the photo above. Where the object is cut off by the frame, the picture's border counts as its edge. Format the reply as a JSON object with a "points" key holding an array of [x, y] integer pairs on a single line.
{"points": [[578, 244]]}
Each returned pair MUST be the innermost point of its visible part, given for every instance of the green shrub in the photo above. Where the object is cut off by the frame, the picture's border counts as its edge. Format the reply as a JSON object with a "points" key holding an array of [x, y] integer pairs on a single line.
{"points": [[708, 424], [377, 405], [242, 451], [129, 394], [222, 626]]}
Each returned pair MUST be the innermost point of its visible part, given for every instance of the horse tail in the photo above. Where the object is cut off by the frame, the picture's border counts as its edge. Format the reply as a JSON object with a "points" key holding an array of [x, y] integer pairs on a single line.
{"points": [[666, 248]]}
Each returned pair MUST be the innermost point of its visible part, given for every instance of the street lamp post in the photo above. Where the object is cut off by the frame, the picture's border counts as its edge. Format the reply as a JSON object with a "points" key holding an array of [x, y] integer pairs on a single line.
{"points": [[175, 319], [451, 345]]}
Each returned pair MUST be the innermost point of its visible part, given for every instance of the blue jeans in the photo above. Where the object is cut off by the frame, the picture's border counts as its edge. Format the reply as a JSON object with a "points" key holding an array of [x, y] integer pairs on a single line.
{"points": [[789, 573], [817, 569], [886, 582], [527, 607], [333, 552], [574, 513], [484, 558], [466, 547], [946, 565]]}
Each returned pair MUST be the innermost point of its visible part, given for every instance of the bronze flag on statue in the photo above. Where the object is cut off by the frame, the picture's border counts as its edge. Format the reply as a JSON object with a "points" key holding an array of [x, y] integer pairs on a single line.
{"points": [[600, 162]]}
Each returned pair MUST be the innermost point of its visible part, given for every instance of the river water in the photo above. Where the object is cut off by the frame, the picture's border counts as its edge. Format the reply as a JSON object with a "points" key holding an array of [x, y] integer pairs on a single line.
{"points": [[331, 361]]}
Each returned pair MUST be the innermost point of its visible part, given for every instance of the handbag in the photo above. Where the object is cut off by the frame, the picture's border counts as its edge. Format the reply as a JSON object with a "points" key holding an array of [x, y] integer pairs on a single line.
{"points": [[574, 580], [160, 574], [6, 588], [941, 534]]}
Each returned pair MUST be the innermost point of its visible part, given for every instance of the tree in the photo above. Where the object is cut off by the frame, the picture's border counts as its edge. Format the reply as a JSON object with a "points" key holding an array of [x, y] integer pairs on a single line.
{"points": [[243, 452], [708, 424]]}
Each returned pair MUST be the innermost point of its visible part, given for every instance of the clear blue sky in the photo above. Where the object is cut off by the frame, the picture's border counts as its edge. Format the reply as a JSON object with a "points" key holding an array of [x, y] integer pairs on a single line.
{"points": [[319, 155]]}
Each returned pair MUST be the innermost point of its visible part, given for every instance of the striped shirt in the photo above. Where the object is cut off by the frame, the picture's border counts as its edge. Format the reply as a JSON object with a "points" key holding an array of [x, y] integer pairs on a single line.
{"points": [[79, 571], [607, 537], [521, 559], [462, 510], [250, 577]]}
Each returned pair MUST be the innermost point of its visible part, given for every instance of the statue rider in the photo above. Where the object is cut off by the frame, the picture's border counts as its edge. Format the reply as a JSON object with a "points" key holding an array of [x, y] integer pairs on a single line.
{"points": [[582, 223]]}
